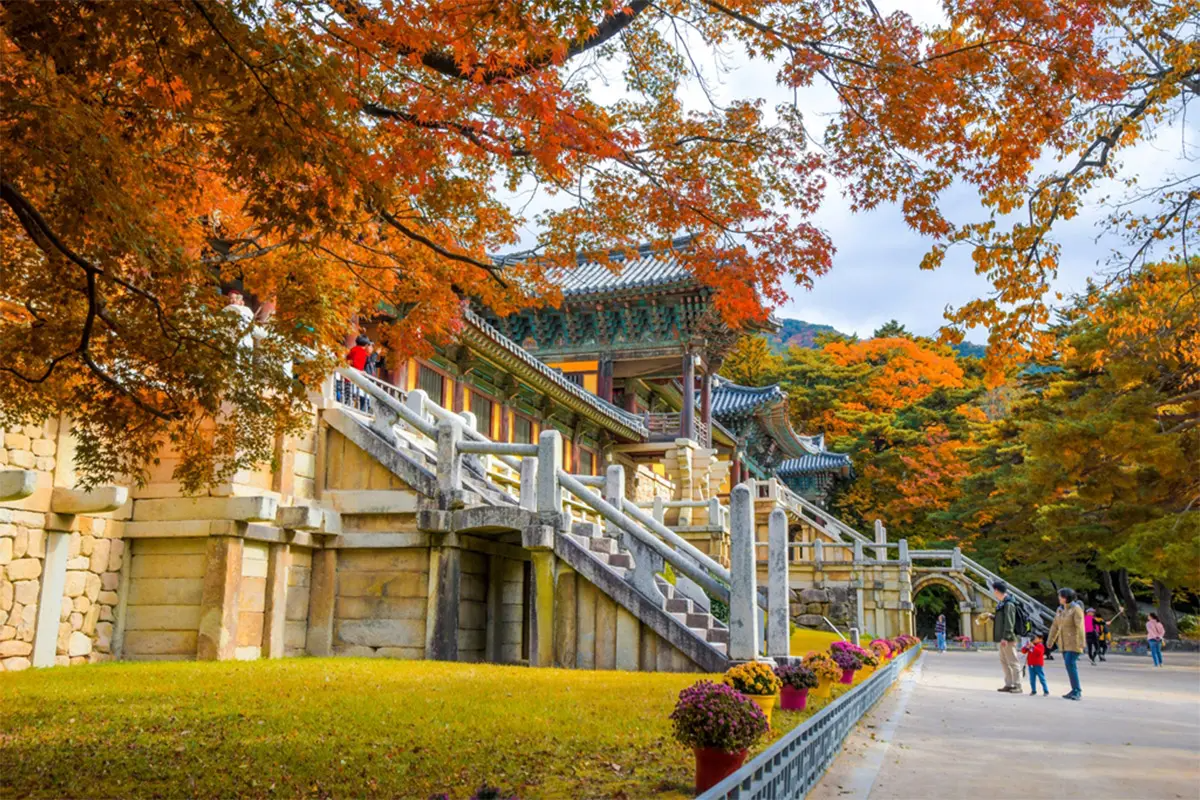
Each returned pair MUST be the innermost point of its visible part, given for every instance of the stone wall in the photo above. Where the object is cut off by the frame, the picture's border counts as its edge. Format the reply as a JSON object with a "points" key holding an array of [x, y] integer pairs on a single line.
{"points": [[837, 603], [162, 614]]}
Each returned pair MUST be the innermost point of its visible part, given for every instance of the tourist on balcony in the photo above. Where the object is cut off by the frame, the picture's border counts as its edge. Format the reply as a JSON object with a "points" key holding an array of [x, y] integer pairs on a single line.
{"points": [[939, 628], [1067, 631], [1004, 633], [358, 356]]}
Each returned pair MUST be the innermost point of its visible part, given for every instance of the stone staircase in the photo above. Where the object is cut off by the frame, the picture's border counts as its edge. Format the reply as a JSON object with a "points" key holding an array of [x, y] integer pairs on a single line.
{"points": [[598, 556], [685, 611]]}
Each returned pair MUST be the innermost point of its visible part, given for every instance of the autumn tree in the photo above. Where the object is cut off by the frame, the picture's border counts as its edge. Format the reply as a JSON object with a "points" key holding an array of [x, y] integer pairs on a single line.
{"points": [[1099, 462], [335, 157], [901, 407], [752, 363]]}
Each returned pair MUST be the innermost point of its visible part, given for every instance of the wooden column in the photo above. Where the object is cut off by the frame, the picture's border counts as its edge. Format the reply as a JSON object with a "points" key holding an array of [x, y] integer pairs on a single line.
{"points": [[706, 405], [687, 419], [735, 470], [605, 378]]}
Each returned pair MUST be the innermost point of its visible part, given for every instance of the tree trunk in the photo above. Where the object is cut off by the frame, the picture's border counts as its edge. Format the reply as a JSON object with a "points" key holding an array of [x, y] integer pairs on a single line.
{"points": [[1162, 595], [1131, 607], [1119, 624]]}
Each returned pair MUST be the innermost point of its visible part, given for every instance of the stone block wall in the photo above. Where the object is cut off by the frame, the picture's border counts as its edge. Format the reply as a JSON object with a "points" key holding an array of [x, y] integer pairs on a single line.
{"points": [[162, 614], [380, 602], [299, 579], [472, 606], [837, 603]]}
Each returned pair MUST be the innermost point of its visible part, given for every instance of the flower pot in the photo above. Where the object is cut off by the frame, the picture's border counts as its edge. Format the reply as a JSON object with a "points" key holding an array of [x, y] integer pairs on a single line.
{"points": [[847, 676], [714, 766], [823, 690], [793, 699], [766, 702]]}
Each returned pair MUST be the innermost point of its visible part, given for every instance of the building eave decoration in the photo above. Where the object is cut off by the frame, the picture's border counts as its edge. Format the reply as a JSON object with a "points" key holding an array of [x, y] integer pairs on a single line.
{"points": [[508, 354]]}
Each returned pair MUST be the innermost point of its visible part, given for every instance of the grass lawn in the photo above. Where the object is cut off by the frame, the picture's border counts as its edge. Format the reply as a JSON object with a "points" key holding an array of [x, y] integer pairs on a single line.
{"points": [[341, 727]]}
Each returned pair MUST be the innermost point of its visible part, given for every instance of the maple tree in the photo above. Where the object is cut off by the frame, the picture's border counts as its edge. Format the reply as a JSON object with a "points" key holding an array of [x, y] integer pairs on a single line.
{"points": [[335, 157], [902, 408]]}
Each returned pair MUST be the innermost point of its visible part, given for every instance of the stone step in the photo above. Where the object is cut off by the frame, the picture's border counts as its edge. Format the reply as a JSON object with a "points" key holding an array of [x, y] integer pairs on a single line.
{"points": [[718, 636], [589, 530], [620, 560], [679, 604], [621, 571], [602, 544], [582, 541], [701, 620]]}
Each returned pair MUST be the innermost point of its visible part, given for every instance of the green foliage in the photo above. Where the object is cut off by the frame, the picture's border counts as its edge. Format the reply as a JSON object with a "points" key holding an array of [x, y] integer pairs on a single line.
{"points": [[892, 329]]}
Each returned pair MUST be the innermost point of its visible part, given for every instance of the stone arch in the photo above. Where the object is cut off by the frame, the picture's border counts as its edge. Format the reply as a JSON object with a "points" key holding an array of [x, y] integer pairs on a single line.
{"points": [[961, 593]]}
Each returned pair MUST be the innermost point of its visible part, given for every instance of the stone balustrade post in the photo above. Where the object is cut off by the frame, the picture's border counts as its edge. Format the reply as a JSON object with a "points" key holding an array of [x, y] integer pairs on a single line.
{"points": [[881, 553], [777, 585], [416, 400], [549, 491], [529, 474], [714, 512], [858, 552], [956, 560], [818, 553], [659, 510], [744, 631], [904, 557], [449, 460], [476, 461]]}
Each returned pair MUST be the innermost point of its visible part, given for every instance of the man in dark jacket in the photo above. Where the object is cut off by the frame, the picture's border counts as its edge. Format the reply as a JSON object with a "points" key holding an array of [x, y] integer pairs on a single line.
{"points": [[1004, 633]]}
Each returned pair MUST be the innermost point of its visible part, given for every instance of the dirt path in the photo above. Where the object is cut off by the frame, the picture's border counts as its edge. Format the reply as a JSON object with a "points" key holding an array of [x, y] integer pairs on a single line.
{"points": [[945, 732]]}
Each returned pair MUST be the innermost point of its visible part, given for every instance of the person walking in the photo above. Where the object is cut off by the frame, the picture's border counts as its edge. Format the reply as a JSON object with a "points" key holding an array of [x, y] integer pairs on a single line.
{"points": [[1004, 633], [1068, 633], [1102, 637], [1089, 632], [939, 628], [1155, 632]]}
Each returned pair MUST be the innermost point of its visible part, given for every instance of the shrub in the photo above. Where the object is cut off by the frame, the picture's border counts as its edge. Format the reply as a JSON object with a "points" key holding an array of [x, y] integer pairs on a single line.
{"points": [[823, 666], [796, 676], [753, 677], [717, 716]]}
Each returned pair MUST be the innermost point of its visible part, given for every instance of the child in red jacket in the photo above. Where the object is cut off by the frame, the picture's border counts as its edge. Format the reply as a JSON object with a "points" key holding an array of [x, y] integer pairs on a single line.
{"points": [[1035, 659]]}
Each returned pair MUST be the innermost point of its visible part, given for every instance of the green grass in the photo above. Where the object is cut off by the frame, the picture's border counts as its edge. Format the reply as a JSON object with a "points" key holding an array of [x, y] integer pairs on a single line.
{"points": [[341, 727]]}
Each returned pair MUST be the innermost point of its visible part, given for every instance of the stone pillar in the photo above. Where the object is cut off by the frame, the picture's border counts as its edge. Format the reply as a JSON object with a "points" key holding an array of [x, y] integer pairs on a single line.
{"points": [[217, 639], [321, 594], [744, 632], [50, 601], [964, 620], [706, 406], [564, 616], [529, 473], [541, 622], [687, 419], [449, 460], [495, 601], [777, 585], [275, 610], [441, 610], [881, 553]]}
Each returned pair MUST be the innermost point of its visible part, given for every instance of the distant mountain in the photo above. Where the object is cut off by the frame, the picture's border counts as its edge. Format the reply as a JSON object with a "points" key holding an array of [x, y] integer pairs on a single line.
{"points": [[968, 350], [797, 333]]}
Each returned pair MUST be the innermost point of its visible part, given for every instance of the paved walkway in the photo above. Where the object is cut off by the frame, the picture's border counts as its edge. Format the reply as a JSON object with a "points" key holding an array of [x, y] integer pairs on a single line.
{"points": [[945, 732]]}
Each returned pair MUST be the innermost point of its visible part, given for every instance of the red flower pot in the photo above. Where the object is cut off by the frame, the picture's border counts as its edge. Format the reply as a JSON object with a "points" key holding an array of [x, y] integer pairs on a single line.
{"points": [[847, 676], [714, 766], [792, 699]]}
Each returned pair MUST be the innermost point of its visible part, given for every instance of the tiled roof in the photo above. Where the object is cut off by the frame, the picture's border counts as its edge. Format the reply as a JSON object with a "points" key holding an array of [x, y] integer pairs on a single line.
{"points": [[731, 400], [813, 462], [652, 266], [555, 378]]}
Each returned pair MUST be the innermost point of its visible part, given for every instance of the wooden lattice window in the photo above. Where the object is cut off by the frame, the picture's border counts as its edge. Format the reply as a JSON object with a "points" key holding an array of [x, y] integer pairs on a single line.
{"points": [[430, 382]]}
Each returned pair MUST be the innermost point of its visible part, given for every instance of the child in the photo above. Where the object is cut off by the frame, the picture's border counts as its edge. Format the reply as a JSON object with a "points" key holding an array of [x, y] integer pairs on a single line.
{"points": [[1035, 659]]}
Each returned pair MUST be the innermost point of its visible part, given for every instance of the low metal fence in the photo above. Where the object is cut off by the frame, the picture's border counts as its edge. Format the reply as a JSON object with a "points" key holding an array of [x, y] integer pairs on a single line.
{"points": [[792, 766]]}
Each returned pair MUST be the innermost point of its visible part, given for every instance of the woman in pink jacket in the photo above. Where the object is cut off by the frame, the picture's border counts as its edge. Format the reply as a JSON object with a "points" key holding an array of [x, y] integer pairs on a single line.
{"points": [[1154, 637]]}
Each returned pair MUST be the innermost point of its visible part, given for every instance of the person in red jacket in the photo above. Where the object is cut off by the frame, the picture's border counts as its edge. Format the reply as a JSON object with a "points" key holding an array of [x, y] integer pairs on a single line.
{"points": [[358, 355], [1035, 660]]}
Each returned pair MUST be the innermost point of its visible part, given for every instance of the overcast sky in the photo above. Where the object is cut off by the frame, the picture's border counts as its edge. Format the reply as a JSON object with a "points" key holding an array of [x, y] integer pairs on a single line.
{"points": [[875, 275]]}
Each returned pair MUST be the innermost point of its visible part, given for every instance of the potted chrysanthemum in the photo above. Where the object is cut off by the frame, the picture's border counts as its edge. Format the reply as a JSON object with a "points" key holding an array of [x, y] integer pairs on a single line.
{"points": [[847, 662], [826, 670], [882, 649], [757, 681], [797, 679], [720, 724]]}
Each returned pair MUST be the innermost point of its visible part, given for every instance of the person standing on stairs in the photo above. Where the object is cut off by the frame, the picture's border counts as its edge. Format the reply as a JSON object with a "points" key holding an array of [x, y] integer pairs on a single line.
{"points": [[1067, 631], [1004, 633]]}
